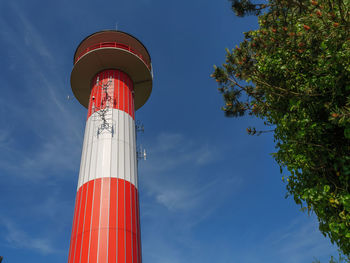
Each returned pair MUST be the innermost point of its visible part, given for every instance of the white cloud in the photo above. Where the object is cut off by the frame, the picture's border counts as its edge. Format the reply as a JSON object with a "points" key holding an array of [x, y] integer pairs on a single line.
{"points": [[32, 38], [5, 139], [17, 238], [49, 119], [173, 178], [171, 150], [299, 240]]}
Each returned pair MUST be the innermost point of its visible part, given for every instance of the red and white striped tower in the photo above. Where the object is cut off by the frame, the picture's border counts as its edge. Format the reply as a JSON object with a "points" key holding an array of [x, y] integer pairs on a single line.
{"points": [[112, 77]]}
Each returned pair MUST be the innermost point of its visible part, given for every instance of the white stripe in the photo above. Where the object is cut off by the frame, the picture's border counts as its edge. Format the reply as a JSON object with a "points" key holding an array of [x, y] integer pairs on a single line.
{"points": [[121, 146], [133, 147], [107, 155]]}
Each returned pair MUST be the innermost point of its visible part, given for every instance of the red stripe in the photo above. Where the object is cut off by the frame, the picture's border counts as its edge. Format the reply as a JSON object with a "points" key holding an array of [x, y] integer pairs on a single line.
{"points": [[95, 222], [98, 95], [127, 88], [138, 228], [128, 99], [121, 222], [112, 240], [106, 223], [133, 216], [128, 223], [104, 218], [121, 90], [125, 94], [115, 85], [73, 224], [132, 99], [80, 224], [87, 223], [74, 233]]}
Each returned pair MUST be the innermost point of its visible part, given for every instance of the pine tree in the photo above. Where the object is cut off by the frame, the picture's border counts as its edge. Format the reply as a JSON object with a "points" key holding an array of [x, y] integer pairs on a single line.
{"points": [[296, 70]]}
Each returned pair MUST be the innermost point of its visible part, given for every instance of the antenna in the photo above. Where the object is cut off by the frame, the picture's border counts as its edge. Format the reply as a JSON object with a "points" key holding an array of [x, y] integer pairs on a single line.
{"points": [[69, 98], [141, 153], [139, 126], [103, 111], [144, 155]]}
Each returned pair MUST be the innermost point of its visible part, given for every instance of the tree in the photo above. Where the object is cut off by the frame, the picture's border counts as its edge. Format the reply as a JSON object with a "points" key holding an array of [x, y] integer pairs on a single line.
{"points": [[340, 259], [296, 68]]}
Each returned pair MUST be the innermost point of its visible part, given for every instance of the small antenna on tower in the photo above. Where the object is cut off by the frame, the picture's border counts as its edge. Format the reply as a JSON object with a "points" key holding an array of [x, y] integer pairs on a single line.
{"points": [[104, 109], [139, 126], [69, 98], [141, 153], [144, 155]]}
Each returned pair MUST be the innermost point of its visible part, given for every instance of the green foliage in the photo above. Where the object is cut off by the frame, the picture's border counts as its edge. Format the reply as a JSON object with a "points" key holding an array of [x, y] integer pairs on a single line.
{"points": [[296, 67], [244, 7], [340, 259]]}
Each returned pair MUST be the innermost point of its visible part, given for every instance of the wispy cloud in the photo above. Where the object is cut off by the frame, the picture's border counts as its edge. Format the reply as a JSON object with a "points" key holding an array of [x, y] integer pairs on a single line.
{"points": [[181, 193], [17, 238], [5, 139], [171, 150], [298, 241], [23, 35], [46, 116], [173, 177]]}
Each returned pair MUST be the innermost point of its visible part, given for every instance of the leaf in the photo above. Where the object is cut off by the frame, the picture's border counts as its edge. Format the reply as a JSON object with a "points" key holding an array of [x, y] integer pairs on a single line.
{"points": [[326, 188], [347, 133], [323, 45]]}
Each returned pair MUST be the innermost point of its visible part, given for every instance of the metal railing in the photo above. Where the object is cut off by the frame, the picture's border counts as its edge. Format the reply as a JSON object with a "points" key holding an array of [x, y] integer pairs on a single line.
{"points": [[115, 45]]}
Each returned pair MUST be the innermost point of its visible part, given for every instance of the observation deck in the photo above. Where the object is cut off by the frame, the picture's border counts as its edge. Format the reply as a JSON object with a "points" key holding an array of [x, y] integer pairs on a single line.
{"points": [[111, 49]]}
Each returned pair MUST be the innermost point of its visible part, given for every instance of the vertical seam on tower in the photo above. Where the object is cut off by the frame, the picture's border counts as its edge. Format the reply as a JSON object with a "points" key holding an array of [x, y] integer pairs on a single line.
{"points": [[130, 160], [95, 178], [98, 144], [82, 233], [117, 217], [76, 235], [110, 163], [84, 175], [136, 232], [124, 170], [91, 135], [137, 214], [135, 189], [92, 214], [139, 223], [135, 192], [72, 234]]}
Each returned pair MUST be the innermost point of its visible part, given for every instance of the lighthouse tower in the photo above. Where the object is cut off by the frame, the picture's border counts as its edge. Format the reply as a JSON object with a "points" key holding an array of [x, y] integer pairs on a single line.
{"points": [[111, 77]]}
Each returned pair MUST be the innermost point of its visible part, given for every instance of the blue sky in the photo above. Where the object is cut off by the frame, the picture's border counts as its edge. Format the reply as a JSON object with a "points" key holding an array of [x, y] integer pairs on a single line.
{"points": [[208, 191]]}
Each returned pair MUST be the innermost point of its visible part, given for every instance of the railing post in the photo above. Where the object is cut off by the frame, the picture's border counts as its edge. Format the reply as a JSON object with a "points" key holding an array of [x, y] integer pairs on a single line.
{"points": [[116, 45]]}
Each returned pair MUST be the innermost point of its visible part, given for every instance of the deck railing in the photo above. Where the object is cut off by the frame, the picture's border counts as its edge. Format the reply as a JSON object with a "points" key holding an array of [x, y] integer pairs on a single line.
{"points": [[115, 45]]}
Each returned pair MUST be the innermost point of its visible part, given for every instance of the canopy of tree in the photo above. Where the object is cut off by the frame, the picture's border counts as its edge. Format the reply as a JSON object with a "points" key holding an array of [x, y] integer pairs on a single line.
{"points": [[296, 67]]}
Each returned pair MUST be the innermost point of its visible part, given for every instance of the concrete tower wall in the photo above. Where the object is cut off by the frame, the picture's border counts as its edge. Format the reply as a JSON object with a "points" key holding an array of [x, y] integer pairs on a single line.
{"points": [[106, 225]]}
